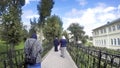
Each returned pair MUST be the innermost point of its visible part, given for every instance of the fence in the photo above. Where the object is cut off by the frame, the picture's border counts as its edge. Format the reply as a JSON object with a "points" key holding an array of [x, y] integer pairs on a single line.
{"points": [[86, 57], [17, 59]]}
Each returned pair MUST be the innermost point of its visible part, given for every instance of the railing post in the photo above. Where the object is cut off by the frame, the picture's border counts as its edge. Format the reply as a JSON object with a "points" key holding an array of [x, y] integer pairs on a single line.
{"points": [[112, 61], [99, 58], [5, 66], [77, 55]]}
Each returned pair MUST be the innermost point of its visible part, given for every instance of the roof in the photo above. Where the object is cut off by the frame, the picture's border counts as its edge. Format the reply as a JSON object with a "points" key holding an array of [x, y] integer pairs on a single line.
{"points": [[108, 23]]}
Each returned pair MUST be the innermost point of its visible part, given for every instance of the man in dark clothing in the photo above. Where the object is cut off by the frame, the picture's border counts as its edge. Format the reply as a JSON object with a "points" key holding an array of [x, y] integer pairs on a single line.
{"points": [[56, 43]]}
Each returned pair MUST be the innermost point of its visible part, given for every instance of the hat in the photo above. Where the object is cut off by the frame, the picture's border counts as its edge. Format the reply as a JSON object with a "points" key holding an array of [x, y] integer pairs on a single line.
{"points": [[34, 36]]}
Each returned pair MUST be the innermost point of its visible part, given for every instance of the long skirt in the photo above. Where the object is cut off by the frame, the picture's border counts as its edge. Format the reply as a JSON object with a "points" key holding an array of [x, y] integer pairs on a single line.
{"points": [[37, 65]]}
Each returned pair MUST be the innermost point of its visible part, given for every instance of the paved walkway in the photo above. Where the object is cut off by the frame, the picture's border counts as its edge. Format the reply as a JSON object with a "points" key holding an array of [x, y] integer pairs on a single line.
{"points": [[53, 60]]}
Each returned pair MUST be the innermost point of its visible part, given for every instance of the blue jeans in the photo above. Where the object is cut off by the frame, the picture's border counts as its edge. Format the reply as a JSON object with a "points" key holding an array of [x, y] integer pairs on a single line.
{"points": [[37, 65]]}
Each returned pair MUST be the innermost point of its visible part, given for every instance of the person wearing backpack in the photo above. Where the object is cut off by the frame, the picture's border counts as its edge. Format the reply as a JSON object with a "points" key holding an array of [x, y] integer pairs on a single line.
{"points": [[33, 50]]}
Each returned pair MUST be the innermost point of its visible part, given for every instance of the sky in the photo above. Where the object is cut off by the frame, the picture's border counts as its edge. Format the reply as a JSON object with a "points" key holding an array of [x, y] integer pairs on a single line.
{"points": [[88, 13]]}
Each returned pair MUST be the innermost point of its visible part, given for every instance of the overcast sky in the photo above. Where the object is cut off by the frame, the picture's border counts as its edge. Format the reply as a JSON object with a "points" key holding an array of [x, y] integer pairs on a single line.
{"points": [[88, 13]]}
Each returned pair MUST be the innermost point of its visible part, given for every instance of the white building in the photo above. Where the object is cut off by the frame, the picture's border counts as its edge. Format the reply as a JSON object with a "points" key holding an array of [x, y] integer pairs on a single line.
{"points": [[107, 35]]}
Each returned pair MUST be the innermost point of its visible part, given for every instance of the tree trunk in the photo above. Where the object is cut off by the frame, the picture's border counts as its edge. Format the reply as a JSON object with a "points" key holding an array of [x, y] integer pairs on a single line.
{"points": [[40, 34], [11, 55]]}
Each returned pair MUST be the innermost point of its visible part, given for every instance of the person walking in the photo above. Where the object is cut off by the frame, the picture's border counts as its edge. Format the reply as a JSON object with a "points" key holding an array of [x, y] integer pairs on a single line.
{"points": [[56, 43], [33, 48], [63, 44]]}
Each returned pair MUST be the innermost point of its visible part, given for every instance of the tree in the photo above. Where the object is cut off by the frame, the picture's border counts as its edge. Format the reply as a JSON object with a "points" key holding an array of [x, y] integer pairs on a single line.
{"points": [[44, 10], [77, 31], [66, 35], [24, 33], [52, 28], [12, 26], [33, 26]]}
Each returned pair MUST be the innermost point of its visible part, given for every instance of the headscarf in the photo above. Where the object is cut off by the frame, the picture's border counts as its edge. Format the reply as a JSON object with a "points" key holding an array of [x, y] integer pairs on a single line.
{"points": [[34, 36], [63, 37]]}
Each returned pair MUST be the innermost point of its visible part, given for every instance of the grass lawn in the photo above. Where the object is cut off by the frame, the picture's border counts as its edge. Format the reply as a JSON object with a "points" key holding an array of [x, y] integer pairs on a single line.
{"points": [[3, 46], [20, 46]]}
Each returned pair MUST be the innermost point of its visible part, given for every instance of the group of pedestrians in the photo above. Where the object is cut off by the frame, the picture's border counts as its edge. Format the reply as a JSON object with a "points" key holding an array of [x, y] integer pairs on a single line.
{"points": [[33, 49], [62, 43]]}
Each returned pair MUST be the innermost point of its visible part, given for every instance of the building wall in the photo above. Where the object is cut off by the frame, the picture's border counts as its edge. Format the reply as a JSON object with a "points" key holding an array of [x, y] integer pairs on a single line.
{"points": [[107, 36]]}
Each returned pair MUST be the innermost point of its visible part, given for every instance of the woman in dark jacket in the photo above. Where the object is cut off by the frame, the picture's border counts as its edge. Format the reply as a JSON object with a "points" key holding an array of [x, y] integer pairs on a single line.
{"points": [[56, 43]]}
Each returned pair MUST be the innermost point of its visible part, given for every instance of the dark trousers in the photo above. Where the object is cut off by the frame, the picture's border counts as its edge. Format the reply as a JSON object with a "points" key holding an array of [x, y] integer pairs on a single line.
{"points": [[56, 48]]}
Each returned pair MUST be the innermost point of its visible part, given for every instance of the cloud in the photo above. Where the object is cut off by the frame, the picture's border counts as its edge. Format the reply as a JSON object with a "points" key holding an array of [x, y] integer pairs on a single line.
{"points": [[91, 18], [32, 16], [28, 1], [82, 2], [27, 15]]}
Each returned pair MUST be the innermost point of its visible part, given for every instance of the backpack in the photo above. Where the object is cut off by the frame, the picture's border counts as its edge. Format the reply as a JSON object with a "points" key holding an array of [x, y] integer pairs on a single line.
{"points": [[29, 58]]}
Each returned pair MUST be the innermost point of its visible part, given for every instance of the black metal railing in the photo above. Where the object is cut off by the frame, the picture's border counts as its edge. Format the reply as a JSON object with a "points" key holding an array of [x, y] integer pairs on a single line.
{"points": [[14, 61], [17, 59], [86, 57]]}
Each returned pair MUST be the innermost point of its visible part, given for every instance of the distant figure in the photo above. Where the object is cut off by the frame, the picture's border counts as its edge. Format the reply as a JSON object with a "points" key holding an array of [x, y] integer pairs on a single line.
{"points": [[56, 43], [63, 44], [33, 48]]}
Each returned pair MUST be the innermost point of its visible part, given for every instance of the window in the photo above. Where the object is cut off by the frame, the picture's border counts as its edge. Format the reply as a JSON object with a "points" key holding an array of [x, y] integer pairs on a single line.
{"points": [[104, 42], [104, 30], [115, 41], [109, 29], [118, 26], [113, 27], [97, 32], [118, 41], [111, 41], [101, 31], [95, 42]]}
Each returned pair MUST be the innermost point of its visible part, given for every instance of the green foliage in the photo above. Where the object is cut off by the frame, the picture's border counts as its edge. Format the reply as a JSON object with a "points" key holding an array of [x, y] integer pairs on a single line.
{"points": [[19, 46], [52, 28], [77, 31], [33, 26], [12, 26], [65, 34], [44, 9], [3, 5], [3, 46], [24, 33], [89, 56]]}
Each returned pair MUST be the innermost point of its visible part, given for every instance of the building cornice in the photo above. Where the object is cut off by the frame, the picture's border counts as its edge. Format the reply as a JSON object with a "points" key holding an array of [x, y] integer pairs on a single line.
{"points": [[108, 23]]}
